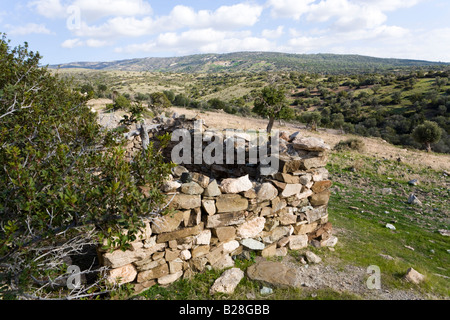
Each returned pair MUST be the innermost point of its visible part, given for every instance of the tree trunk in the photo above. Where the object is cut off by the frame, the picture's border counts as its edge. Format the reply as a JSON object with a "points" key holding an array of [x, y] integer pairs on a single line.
{"points": [[270, 125], [144, 136], [428, 146]]}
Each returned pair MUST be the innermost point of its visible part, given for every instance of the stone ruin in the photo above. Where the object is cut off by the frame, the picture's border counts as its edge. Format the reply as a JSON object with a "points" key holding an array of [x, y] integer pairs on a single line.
{"points": [[221, 211]]}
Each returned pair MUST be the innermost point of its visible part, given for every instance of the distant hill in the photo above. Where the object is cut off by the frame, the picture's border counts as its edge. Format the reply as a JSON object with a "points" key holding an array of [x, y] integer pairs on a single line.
{"points": [[258, 62]]}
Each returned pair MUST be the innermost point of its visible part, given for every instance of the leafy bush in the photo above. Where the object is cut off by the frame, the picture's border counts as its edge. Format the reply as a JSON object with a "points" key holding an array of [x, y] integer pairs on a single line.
{"points": [[65, 182], [350, 144]]}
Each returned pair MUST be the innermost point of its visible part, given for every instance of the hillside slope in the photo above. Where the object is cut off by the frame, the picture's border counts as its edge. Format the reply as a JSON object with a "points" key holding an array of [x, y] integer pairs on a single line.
{"points": [[256, 62]]}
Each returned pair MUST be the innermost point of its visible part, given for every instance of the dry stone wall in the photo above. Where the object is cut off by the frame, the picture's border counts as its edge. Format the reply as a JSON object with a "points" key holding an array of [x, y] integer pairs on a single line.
{"points": [[222, 211]]}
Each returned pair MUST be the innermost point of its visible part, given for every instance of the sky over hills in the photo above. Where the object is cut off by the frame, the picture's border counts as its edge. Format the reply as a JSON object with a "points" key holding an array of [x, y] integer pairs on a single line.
{"points": [[105, 30]]}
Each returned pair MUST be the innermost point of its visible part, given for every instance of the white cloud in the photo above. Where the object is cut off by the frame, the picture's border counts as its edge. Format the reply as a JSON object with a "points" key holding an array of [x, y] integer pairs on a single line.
{"points": [[117, 27], [289, 8], [92, 10], [201, 41], [225, 18], [273, 34], [29, 28], [94, 43], [72, 43], [349, 15], [48, 8], [389, 5], [77, 42]]}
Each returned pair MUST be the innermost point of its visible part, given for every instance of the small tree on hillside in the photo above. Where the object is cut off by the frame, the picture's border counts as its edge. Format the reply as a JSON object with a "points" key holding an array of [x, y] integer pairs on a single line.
{"points": [[427, 133], [271, 102], [158, 102]]}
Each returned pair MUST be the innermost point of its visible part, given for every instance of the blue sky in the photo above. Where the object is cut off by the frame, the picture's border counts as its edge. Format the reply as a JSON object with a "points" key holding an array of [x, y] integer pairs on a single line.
{"points": [[105, 30]]}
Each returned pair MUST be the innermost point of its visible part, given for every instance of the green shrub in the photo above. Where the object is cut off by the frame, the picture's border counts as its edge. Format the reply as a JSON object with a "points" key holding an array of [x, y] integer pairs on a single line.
{"points": [[350, 144], [65, 181]]}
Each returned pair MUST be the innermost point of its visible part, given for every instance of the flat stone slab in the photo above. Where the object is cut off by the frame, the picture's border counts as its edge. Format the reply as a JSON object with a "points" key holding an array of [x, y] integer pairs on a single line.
{"points": [[273, 273]]}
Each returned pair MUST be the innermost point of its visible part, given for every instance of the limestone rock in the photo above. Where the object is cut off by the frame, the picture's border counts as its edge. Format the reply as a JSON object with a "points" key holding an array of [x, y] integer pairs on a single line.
{"points": [[191, 188], [224, 262], [314, 162], [141, 287], [252, 244], [178, 171], [269, 251], [320, 186], [305, 228], [311, 257], [123, 274], [200, 179], [277, 234], [231, 203], [287, 216], [320, 199], [182, 233], [212, 190], [315, 214], [200, 251], [225, 233], [225, 219], [184, 201], [251, 227], [236, 185], [320, 174], [154, 273], [230, 246], [119, 258], [167, 223], [414, 276], [291, 189], [185, 254], [278, 204], [209, 206], [170, 186], [176, 265], [297, 242], [414, 200], [266, 192], [227, 282], [287, 178], [310, 144], [273, 273], [167, 279], [204, 237], [305, 179]]}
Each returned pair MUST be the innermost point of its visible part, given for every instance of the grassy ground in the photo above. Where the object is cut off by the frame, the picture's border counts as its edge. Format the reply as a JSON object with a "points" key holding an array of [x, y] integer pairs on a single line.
{"points": [[359, 212]]}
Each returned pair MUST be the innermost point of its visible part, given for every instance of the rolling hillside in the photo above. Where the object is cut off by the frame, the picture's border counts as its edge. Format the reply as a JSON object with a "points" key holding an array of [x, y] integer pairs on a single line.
{"points": [[257, 62]]}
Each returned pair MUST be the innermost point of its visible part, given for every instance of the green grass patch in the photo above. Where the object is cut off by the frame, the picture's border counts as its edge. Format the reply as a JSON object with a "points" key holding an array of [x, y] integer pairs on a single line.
{"points": [[361, 211]]}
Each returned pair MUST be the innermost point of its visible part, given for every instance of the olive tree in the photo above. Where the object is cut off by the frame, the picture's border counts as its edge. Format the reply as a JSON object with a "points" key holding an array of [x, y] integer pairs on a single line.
{"points": [[271, 102], [427, 133]]}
